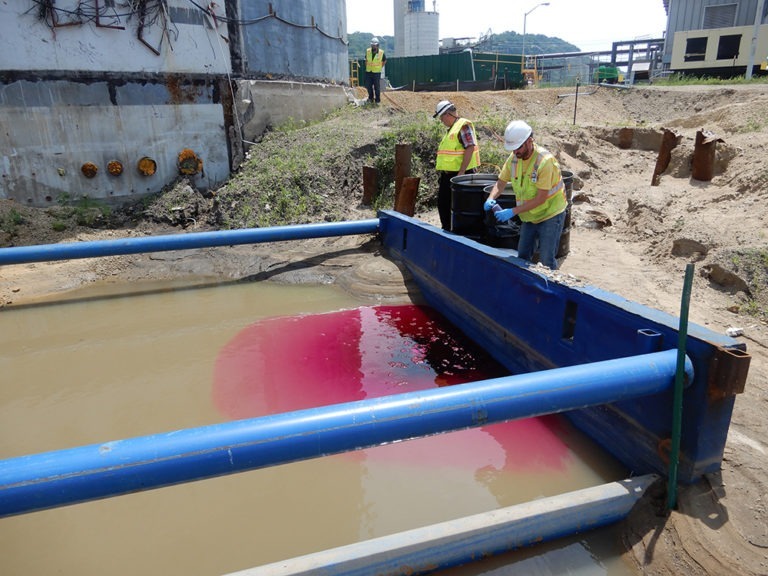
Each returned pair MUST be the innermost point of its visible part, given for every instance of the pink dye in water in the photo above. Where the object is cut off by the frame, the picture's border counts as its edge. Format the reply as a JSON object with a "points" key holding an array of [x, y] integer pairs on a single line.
{"points": [[291, 363]]}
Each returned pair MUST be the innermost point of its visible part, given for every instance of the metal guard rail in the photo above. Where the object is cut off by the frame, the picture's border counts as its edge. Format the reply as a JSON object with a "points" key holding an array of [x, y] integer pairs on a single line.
{"points": [[74, 250], [42, 481]]}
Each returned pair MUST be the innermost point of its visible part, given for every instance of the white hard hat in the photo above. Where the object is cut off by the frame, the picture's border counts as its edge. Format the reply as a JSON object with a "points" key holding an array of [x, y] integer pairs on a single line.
{"points": [[374, 40], [442, 107], [516, 134]]}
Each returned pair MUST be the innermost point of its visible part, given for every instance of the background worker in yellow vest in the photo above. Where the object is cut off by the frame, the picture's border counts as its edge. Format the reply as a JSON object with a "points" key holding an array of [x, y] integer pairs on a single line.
{"points": [[374, 62], [539, 194], [457, 154]]}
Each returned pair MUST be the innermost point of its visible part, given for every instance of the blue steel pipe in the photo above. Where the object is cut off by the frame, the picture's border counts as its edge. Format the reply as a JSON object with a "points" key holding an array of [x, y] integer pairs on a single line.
{"points": [[41, 481], [73, 250]]}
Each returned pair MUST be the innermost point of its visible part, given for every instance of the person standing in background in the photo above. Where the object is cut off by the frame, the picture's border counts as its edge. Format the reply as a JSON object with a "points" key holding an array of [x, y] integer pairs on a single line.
{"points": [[375, 59], [539, 194], [457, 154]]}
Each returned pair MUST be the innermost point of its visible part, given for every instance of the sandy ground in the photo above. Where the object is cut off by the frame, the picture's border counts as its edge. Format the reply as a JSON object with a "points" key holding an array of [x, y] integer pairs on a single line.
{"points": [[627, 236]]}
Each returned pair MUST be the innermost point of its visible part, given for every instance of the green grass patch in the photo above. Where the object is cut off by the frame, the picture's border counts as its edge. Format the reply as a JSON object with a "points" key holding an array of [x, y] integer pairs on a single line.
{"points": [[751, 265], [680, 79], [10, 220]]}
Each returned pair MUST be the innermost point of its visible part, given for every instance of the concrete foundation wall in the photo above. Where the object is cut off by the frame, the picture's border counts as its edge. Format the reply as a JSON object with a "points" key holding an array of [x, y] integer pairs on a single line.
{"points": [[265, 104], [49, 153], [52, 129], [85, 97]]}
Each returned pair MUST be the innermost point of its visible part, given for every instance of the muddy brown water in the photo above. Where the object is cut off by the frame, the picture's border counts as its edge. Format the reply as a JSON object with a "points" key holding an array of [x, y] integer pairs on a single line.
{"points": [[106, 364]]}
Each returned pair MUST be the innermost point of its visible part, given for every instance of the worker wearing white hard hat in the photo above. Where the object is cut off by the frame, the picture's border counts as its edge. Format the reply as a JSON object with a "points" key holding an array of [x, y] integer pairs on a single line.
{"points": [[457, 154], [375, 59], [540, 200]]}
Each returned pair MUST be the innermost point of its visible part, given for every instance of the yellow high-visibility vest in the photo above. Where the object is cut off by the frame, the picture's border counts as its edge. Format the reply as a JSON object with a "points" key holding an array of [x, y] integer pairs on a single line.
{"points": [[525, 186], [450, 153], [374, 62]]}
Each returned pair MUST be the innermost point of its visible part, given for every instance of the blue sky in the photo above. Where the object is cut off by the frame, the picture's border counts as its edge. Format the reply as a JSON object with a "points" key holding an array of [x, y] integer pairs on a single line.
{"points": [[589, 24]]}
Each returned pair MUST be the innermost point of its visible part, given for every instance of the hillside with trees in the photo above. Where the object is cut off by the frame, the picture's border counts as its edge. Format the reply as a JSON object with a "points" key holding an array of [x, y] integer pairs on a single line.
{"points": [[503, 43], [512, 43]]}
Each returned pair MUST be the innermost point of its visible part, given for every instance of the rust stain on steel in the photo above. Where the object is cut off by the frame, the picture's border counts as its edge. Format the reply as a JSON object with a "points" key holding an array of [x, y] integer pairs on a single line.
{"points": [[115, 167], [703, 164], [89, 169], [626, 136], [727, 373], [189, 163], [668, 142], [370, 184], [147, 166], [181, 90]]}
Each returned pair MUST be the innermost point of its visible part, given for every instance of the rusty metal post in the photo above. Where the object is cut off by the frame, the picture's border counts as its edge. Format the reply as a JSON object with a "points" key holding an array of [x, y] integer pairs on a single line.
{"points": [[575, 100], [626, 136], [406, 201], [402, 167], [668, 141], [703, 164], [370, 184]]}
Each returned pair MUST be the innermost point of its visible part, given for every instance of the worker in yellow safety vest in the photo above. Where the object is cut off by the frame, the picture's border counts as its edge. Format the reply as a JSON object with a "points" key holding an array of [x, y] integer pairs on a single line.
{"points": [[374, 62], [539, 194], [457, 154]]}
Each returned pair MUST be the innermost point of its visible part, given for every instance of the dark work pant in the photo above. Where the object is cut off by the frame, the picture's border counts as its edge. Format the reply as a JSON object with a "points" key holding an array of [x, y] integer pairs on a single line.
{"points": [[444, 199], [373, 83]]}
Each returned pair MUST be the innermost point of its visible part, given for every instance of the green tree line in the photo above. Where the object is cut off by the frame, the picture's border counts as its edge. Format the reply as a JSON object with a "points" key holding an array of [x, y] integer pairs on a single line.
{"points": [[503, 43]]}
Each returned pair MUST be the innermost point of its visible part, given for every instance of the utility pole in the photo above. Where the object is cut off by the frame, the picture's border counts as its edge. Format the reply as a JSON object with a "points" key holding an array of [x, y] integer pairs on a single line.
{"points": [[525, 19]]}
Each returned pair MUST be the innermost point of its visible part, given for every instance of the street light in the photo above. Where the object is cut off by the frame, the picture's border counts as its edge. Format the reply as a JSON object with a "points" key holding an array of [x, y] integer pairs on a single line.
{"points": [[525, 18]]}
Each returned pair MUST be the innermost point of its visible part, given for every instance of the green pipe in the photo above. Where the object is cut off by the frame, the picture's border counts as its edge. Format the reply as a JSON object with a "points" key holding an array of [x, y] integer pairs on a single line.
{"points": [[677, 407]]}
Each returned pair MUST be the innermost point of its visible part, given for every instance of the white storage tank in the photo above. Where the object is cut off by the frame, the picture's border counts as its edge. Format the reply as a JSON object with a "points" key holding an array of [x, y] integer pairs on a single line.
{"points": [[401, 7], [421, 34]]}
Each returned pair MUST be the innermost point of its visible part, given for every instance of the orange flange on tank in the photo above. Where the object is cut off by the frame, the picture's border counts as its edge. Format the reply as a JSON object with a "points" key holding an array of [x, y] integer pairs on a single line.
{"points": [[189, 163], [147, 166], [115, 167], [89, 169]]}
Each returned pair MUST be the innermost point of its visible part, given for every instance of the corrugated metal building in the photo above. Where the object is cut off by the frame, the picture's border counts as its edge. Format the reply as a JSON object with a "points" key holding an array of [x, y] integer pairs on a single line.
{"points": [[715, 36]]}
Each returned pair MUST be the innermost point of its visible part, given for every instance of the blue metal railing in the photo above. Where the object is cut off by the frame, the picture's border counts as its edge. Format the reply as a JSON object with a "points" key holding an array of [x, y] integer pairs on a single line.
{"points": [[73, 250], [42, 481]]}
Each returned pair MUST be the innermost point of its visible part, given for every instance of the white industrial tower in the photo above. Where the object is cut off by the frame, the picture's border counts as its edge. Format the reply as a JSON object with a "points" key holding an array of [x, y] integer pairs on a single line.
{"points": [[417, 32]]}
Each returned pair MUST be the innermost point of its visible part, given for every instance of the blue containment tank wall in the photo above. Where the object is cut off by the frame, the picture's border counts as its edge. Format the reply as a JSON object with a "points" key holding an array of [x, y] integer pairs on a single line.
{"points": [[300, 40]]}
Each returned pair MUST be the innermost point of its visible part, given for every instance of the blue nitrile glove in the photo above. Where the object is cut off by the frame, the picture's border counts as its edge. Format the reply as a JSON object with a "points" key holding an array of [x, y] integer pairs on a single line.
{"points": [[504, 215], [489, 204]]}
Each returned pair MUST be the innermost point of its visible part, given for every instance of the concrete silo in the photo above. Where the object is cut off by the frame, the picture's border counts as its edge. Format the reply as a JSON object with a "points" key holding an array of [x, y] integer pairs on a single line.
{"points": [[417, 31]]}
